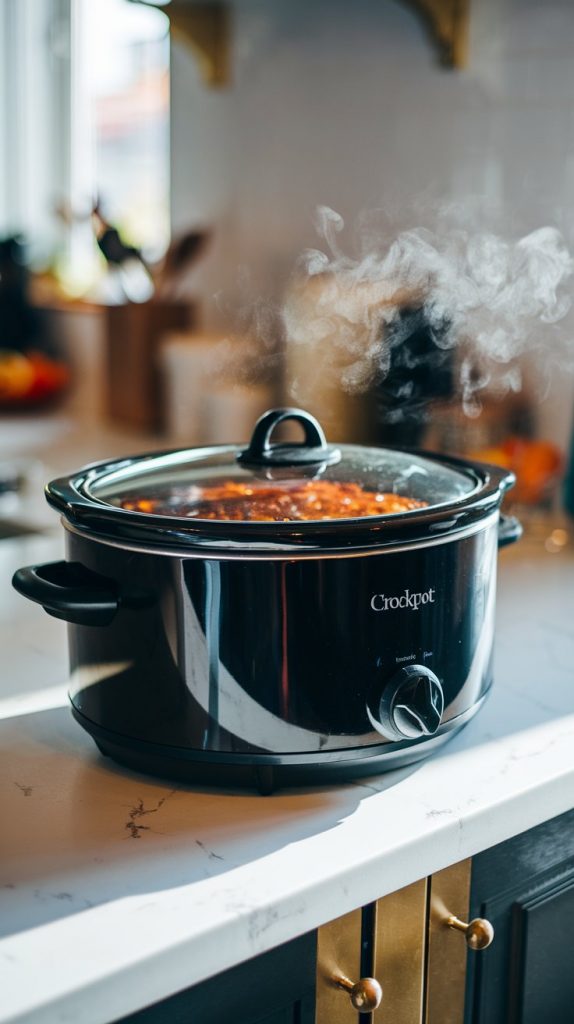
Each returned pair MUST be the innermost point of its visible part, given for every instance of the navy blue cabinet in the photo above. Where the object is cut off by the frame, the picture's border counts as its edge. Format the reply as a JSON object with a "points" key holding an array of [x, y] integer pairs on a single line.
{"points": [[525, 887], [275, 988]]}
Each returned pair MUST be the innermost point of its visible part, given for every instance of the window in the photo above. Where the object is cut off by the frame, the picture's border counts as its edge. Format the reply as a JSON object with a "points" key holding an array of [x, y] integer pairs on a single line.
{"points": [[122, 85], [84, 113]]}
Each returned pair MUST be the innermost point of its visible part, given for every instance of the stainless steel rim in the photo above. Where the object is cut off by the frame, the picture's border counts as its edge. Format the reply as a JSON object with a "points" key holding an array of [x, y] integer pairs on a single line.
{"points": [[248, 555]]}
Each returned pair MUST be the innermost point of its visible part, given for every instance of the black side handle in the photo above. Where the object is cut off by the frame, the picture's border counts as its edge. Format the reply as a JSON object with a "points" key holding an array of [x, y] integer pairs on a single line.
{"points": [[314, 449], [509, 530], [69, 591]]}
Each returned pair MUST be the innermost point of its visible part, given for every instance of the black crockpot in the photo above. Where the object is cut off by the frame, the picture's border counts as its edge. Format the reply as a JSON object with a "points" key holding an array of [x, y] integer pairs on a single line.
{"points": [[275, 652]]}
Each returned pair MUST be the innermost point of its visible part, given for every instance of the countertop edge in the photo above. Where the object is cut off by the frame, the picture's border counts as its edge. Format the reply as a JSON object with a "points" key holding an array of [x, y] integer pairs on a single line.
{"points": [[178, 966]]}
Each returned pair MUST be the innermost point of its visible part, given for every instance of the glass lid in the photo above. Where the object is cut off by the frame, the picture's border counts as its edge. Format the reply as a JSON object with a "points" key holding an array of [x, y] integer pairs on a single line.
{"points": [[282, 483]]}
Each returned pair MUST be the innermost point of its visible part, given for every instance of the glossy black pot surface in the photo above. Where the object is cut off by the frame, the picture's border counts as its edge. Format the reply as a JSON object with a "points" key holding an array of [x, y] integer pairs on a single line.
{"points": [[275, 662]]}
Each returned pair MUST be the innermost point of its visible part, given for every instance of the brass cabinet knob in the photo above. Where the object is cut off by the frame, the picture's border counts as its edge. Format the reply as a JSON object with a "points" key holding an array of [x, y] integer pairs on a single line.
{"points": [[365, 994], [478, 933]]}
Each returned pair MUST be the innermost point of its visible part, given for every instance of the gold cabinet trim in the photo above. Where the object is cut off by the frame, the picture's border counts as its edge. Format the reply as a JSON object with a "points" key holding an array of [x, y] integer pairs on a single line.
{"points": [[447, 950], [338, 956], [399, 954], [418, 958]]}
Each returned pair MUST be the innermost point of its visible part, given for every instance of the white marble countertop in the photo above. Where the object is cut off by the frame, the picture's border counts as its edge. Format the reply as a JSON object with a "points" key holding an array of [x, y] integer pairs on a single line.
{"points": [[118, 890]]}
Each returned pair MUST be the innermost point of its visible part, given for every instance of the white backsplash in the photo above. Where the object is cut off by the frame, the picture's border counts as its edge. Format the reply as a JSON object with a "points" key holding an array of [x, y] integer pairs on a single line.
{"points": [[345, 104]]}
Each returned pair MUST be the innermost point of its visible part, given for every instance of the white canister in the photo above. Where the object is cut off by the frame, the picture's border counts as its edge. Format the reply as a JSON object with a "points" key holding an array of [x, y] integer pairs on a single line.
{"points": [[203, 400]]}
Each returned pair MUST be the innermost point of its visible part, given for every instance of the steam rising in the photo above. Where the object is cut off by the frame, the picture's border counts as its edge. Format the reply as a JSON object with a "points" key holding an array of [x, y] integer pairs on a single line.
{"points": [[492, 300]]}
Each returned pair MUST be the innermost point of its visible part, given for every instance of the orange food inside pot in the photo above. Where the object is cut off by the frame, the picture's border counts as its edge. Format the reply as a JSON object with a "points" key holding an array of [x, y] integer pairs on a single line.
{"points": [[267, 502]]}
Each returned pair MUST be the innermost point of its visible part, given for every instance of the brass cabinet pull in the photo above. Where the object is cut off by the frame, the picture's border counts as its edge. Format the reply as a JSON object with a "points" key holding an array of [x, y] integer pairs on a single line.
{"points": [[478, 933], [365, 995]]}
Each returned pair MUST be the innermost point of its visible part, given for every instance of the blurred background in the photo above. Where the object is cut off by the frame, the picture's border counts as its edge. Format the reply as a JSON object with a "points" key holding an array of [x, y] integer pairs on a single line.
{"points": [[161, 169]]}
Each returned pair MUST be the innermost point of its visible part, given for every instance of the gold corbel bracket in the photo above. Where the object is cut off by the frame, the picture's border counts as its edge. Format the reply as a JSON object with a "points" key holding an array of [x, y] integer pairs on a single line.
{"points": [[205, 28], [447, 24]]}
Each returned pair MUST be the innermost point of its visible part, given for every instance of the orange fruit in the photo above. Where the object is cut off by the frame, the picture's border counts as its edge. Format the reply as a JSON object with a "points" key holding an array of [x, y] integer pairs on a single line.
{"points": [[16, 375]]}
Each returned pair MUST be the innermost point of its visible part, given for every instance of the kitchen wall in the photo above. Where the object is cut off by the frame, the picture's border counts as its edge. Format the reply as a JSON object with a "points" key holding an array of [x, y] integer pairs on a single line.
{"points": [[343, 104]]}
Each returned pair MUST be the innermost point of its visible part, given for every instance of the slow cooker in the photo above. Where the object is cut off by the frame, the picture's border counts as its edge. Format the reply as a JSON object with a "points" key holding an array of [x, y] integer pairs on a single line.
{"points": [[276, 613]]}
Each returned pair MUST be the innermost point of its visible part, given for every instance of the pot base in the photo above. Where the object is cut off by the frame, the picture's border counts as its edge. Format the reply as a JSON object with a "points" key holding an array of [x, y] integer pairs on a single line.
{"points": [[264, 773]]}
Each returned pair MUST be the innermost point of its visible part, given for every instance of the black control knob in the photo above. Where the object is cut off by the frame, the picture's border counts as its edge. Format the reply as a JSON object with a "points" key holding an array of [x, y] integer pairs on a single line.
{"points": [[412, 704]]}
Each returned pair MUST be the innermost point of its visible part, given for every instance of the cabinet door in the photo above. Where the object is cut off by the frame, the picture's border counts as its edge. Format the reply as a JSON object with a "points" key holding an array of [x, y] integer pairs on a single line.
{"points": [[400, 929], [447, 950], [543, 986], [339, 946], [275, 988], [526, 888], [381, 945]]}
